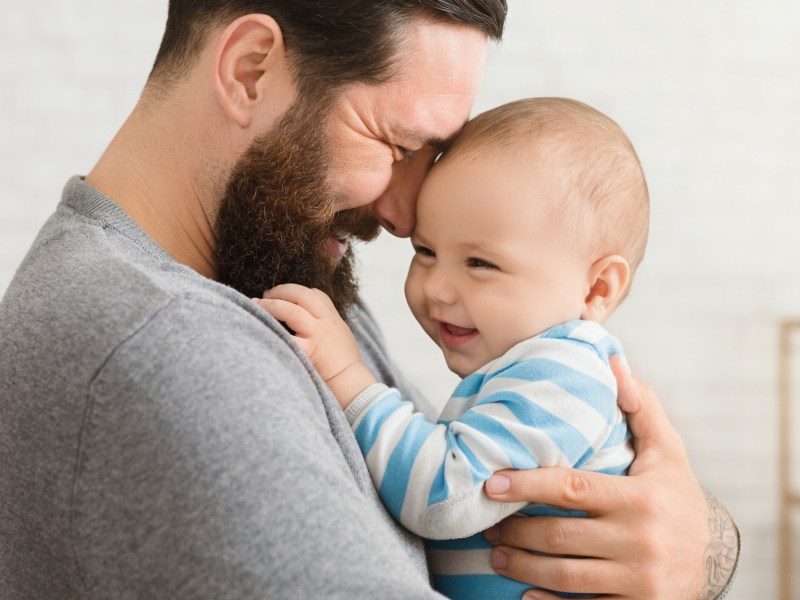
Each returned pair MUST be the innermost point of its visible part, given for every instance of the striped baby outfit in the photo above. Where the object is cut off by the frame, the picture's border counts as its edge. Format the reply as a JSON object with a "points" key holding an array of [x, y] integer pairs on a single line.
{"points": [[548, 401]]}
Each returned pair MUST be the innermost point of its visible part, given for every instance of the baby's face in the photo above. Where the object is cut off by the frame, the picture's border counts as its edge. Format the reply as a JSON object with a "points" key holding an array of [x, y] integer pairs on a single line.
{"points": [[493, 264]]}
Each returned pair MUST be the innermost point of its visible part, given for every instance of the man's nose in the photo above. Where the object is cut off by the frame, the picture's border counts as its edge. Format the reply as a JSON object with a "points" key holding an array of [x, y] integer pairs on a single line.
{"points": [[396, 208]]}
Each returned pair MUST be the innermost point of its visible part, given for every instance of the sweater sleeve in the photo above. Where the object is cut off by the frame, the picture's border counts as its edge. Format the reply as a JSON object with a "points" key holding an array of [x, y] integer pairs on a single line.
{"points": [[209, 469], [532, 411]]}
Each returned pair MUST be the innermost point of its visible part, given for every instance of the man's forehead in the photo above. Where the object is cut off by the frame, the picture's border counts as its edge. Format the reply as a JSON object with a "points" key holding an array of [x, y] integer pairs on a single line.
{"points": [[447, 58]]}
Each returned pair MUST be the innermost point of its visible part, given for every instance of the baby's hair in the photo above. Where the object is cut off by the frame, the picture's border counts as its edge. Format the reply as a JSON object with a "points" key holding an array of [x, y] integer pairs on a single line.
{"points": [[605, 194]]}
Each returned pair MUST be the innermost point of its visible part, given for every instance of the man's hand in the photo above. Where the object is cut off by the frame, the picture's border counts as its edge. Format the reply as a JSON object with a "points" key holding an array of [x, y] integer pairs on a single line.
{"points": [[322, 335], [654, 534]]}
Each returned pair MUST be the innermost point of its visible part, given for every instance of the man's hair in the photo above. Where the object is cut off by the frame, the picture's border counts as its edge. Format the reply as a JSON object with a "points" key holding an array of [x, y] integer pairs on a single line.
{"points": [[605, 201], [328, 42]]}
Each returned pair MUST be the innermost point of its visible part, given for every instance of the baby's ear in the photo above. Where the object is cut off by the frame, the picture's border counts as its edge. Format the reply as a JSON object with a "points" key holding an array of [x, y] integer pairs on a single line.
{"points": [[608, 279]]}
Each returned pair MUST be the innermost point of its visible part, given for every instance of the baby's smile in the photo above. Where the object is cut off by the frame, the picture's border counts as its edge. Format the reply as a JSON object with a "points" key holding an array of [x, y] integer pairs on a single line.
{"points": [[453, 335]]}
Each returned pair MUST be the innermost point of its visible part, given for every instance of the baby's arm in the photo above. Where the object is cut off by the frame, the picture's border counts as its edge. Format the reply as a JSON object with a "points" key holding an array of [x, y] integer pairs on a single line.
{"points": [[324, 337], [526, 415], [430, 475]]}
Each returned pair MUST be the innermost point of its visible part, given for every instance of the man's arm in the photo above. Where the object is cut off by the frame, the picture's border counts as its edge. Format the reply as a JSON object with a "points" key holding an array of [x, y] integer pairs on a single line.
{"points": [[654, 534], [722, 552], [209, 469]]}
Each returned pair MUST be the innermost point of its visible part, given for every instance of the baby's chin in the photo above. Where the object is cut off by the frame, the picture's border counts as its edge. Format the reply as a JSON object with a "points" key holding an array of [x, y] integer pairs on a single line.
{"points": [[462, 373], [460, 369], [453, 364]]}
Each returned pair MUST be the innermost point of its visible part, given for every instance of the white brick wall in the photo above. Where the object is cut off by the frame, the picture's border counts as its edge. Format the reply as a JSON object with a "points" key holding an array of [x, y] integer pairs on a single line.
{"points": [[707, 91], [70, 71]]}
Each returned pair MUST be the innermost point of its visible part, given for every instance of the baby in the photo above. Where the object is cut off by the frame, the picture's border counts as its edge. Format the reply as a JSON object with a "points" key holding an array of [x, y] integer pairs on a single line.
{"points": [[529, 229]]}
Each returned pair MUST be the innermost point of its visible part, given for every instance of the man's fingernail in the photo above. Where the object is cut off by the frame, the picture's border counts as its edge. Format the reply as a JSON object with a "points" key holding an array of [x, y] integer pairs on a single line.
{"points": [[499, 559], [492, 534], [498, 484], [532, 595]]}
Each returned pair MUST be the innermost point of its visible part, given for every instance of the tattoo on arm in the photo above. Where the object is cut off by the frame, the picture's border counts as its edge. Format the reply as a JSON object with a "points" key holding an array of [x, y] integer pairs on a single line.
{"points": [[722, 551]]}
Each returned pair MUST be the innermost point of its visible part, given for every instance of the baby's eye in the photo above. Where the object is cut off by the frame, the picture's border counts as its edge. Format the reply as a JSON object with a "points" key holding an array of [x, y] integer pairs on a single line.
{"points": [[479, 263], [423, 251]]}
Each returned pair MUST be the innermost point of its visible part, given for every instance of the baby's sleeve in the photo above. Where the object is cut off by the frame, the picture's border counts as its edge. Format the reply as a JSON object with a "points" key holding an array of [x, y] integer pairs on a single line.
{"points": [[532, 413]]}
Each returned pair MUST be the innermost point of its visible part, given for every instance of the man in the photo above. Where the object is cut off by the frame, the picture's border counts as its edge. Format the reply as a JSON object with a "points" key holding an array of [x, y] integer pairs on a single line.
{"points": [[162, 436]]}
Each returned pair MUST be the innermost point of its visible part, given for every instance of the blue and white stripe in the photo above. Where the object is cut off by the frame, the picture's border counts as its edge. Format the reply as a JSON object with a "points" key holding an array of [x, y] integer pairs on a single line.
{"points": [[549, 401]]}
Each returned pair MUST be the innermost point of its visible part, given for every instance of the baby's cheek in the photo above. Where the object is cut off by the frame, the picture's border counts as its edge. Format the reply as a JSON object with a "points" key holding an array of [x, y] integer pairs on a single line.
{"points": [[416, 303], [422, 317], [413, 289], [508, 332]]}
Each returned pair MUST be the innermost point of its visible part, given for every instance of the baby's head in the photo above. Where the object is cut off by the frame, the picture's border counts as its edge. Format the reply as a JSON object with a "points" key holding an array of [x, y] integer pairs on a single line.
{"points": [[536, 215]]}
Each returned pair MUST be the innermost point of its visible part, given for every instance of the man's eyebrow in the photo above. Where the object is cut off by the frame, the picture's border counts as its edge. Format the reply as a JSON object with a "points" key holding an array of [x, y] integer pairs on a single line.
{"points": [[419, 139]]}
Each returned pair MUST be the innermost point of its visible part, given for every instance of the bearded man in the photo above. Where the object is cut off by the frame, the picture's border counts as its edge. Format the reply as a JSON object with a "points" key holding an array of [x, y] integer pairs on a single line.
{"points": [[163, 437]]}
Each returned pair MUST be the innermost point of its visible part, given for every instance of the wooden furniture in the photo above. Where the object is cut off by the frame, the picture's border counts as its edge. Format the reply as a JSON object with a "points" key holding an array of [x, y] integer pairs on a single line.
{"points": [[789, 496]]}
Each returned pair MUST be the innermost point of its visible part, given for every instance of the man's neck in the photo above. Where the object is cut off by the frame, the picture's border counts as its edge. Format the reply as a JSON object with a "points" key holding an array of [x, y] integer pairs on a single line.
{"points": [[155, 172]]}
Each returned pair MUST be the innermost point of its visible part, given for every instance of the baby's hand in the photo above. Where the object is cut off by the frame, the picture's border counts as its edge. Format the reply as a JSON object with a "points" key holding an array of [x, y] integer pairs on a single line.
{"points": [[322, 335], [319, 330]]}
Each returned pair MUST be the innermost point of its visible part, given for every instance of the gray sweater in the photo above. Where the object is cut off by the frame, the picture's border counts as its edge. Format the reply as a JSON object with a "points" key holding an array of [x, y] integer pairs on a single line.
{"points": [[162, 437]]}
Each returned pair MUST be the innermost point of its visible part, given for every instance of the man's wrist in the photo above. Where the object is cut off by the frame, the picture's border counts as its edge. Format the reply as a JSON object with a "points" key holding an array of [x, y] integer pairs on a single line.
{"points": [[722, 553]]}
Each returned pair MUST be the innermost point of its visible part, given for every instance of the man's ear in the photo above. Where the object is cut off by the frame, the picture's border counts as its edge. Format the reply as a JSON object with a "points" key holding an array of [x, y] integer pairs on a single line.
{"points": [[250, 67], [608, 279]]}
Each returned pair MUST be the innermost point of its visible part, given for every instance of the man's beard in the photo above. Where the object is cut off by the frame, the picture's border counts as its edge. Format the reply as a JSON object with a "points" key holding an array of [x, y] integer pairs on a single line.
{"points": [[278, 214]]}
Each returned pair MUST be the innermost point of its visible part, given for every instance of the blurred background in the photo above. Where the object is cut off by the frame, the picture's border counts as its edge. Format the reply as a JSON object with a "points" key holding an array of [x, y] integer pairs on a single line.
{"points": [[709, 93]]}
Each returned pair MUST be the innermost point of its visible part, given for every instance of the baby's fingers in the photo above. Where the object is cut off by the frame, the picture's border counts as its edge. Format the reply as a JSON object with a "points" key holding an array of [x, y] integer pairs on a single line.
{"points": [[297, 318], [313, 300]]}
